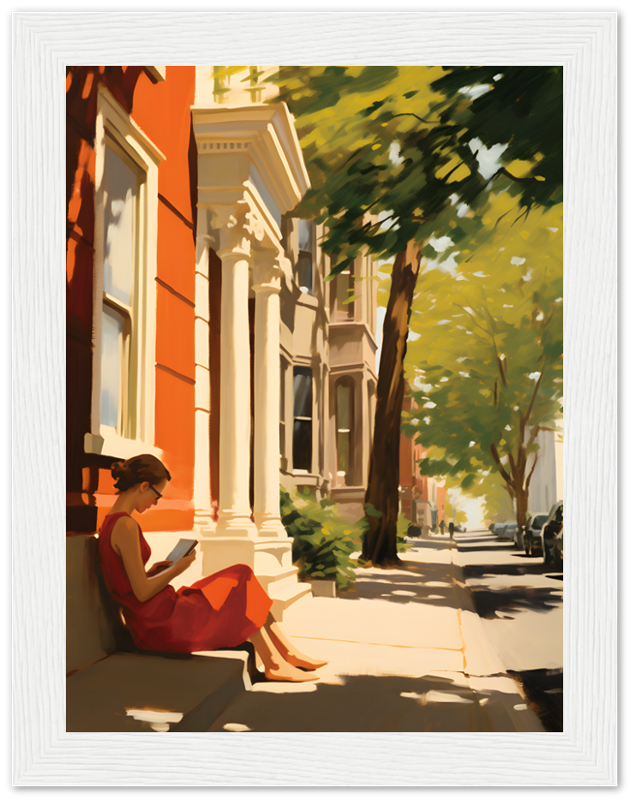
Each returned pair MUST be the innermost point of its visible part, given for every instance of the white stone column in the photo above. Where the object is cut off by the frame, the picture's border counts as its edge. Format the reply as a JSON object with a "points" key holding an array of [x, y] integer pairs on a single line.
{"points": [[267, 399], [201, 489], [234, 435]]}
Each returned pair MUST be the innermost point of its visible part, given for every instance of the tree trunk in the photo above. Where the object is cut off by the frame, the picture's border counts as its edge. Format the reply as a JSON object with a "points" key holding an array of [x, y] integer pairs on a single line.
{"points": [[521, 501], [380, 540], [517, 484]]}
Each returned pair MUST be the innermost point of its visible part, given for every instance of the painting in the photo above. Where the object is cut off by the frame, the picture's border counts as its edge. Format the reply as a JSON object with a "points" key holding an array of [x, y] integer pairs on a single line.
{"points": [[315, 401]]}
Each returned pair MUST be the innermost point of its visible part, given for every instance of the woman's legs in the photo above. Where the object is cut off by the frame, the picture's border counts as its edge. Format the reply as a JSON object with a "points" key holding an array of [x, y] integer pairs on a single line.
{"points": [[276, 667], [287, 649]]}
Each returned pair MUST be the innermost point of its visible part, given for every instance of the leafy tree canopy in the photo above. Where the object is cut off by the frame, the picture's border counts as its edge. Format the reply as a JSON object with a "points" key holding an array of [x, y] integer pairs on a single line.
{"points": [[401, 142], [486, 358], [450, 159]]}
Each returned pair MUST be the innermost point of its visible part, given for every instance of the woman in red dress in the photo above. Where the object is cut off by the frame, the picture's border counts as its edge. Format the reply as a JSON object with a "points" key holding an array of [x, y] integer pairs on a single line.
{"points": [[219, 611]]}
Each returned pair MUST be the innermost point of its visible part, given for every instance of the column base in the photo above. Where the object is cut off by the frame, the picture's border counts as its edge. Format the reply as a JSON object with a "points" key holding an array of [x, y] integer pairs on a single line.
{"points": [[236, 524], [219, 552], [203, 523], [269, 526]]}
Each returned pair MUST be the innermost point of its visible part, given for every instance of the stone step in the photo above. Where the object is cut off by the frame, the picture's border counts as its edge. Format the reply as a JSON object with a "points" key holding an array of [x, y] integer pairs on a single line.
{"points": [[285, 596], [287, 576], [141, 692]]}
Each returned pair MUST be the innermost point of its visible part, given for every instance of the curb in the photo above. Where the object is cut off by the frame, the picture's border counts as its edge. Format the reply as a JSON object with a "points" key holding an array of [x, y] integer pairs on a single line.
{"points": [[484, 669]]}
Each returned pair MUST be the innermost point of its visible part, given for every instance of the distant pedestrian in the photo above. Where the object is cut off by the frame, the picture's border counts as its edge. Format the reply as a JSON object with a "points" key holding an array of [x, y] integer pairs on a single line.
{"points": [[442, 526], [452, 528]]}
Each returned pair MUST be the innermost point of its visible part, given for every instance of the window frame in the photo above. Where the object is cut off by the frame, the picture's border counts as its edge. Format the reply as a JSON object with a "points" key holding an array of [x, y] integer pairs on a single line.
{"points": [[298, 418], [282, 420], [115, 127], [343, 312], [304, 254], [345, 382]]}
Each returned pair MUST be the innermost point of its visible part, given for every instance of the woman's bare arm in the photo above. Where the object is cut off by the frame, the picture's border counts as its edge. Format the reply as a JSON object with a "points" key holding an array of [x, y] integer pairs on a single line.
{"points": [[126, 541]]}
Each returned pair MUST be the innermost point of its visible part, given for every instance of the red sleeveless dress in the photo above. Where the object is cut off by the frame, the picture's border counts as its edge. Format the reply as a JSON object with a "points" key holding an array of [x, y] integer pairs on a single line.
{"points": [[221, 610]]}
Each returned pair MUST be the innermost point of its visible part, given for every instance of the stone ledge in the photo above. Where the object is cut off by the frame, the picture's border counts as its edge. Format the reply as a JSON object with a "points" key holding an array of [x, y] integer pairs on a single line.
{"points": [[198, 688]]}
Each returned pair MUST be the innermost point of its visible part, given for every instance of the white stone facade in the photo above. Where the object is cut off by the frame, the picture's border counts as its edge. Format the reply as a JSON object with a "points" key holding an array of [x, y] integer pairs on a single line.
{"points": [[279, 424], [546, 485]]}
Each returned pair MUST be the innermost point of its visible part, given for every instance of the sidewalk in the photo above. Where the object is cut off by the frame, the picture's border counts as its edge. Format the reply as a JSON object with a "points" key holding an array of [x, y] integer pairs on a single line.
{"points": [[406, 652]]}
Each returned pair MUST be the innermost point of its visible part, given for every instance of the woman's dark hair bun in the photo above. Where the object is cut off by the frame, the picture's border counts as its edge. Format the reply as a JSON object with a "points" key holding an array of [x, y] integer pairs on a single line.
{"points": [[138, 469]]}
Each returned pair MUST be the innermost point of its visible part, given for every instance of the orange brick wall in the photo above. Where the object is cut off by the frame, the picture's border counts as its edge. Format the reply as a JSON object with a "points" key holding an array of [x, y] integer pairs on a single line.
{"points": [[162, 111]]}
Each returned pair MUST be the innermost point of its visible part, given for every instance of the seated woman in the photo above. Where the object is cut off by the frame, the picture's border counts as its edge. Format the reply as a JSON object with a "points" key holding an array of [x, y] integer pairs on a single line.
{"points": [[219, 611]]}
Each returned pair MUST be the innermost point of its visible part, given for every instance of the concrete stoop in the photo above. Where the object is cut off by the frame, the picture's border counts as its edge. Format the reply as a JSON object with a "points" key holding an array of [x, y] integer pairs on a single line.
{"points": [[127, 692], [284, 589]]}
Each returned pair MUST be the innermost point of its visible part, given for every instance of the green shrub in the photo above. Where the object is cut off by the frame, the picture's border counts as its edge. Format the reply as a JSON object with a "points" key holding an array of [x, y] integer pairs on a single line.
{"points": [[322, 542]]}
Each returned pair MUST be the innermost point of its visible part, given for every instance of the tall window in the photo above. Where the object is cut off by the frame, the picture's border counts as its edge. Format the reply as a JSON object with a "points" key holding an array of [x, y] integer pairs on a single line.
{"points": [[120, 184], [304, 267], [125, 264], [344, 425], [303, 419], [342, 291], [282, 425]]}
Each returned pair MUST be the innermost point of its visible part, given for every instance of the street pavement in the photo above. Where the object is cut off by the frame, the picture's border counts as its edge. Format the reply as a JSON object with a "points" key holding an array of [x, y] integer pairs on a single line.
{"points": [[519, 600], [407, 652]]}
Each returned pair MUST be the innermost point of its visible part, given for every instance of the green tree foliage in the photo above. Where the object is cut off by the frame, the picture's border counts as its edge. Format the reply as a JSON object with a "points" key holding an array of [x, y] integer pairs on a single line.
{"points": [[488, 352], [393, 154], [497, 505], [401, 141]]}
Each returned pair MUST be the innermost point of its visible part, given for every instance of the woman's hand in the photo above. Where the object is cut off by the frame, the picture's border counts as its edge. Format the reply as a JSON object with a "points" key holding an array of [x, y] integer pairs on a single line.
{"points": [[158, 567], [184, 563]]}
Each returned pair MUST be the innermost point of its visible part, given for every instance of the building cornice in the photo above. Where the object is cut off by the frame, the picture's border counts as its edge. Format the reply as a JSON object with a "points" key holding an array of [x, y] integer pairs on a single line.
{"points": [[259, 151]]}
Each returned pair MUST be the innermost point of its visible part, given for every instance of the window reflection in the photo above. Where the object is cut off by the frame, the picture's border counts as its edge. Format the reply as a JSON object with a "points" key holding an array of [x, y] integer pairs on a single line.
{"points": [[303, 412]]}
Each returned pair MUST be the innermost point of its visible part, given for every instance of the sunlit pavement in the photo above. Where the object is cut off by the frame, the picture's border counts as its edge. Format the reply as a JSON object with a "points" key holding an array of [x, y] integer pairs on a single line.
{"points": [[406, 652]]}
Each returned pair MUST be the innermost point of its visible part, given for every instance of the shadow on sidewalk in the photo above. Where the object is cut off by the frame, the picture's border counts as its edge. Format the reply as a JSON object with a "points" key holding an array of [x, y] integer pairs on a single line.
{"points": [[513, 600], [544, 690], [371, 704], [520, 567], [409, 582]]}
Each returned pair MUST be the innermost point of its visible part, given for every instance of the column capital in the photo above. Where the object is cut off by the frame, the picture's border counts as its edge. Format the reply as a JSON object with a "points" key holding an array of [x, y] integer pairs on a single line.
{"points": [[270, 264], [236, 227], [267, 272]]}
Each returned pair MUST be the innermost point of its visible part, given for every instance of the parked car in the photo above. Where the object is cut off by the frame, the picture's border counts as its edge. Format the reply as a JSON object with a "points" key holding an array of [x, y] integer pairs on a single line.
{"points": [[511, 531], [549, 531], [499, 528], [514, 532], [532, 534], [557, 549]]}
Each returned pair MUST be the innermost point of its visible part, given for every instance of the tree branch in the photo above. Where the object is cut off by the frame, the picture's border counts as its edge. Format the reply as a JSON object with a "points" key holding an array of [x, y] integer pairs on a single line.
{"points": [[378, 223], [533, 434], [531, 471], [500, 365], [420, 119], [504, 171], [474, 320], [496, 457], [526, 417], [513, 466], [525, 213]]}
